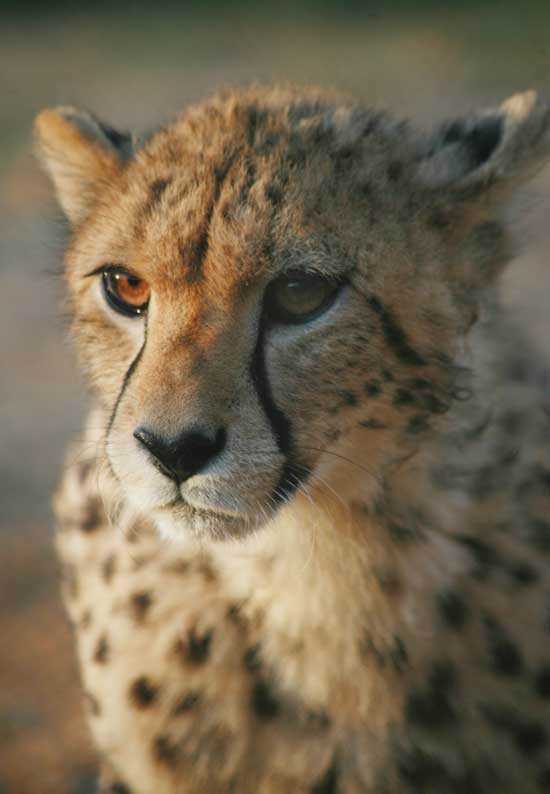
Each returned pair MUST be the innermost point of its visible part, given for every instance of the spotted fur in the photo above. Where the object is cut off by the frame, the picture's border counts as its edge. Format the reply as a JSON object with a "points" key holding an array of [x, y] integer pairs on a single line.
{"points": [[357, 598]]}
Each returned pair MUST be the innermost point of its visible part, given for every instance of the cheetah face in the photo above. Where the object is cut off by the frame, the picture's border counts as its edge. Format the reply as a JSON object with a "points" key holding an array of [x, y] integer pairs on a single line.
{"points": [[267, 296]]}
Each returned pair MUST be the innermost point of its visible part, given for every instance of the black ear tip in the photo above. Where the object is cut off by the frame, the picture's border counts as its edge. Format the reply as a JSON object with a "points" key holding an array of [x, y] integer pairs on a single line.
{"points": [[120, 140], [484, 138], [480, 137]]}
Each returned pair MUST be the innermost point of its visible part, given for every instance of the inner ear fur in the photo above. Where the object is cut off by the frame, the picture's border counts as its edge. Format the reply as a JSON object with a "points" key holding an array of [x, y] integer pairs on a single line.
{"points": [[81, 154]]}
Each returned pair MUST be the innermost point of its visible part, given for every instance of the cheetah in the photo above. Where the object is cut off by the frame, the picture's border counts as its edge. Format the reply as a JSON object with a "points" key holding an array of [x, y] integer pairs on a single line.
{"points": [[305, 535]]}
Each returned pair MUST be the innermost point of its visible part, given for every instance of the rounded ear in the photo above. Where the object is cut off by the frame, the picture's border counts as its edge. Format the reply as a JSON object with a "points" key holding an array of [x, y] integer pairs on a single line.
{"points": [[81, 155], [488, 153]]}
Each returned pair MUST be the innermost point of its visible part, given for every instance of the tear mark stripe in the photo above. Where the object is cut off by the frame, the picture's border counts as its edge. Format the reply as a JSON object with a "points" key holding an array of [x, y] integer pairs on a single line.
{"points": [[126, 380], [395, 336]]}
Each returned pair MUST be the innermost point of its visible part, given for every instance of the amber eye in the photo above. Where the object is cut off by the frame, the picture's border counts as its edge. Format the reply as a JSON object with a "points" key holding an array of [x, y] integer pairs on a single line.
{"points": [[125, 293], [299, 297]]}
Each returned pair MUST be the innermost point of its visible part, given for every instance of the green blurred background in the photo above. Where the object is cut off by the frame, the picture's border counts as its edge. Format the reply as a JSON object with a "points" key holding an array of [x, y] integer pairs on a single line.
{"points": [[136, 64]]}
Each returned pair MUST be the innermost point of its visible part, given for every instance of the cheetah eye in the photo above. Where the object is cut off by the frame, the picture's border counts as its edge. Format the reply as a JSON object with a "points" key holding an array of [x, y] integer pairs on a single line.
{"points": [[124, 292], [299, 297]]}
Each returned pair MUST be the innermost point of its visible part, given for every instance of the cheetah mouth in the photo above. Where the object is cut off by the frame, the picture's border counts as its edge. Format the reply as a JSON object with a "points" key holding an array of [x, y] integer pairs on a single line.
{"points": [[180, 515]]}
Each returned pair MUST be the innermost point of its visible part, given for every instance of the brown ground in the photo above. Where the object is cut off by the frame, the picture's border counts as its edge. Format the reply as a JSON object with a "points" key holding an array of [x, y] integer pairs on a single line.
{"points": [[135, 69]]}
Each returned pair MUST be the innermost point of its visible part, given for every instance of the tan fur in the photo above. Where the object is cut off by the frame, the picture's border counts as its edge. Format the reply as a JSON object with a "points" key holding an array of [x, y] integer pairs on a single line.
{"points": [[381, 629]]}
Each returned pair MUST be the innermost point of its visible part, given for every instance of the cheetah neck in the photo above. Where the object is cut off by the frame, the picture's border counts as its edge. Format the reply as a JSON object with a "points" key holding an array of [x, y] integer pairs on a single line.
{"points": [[328, 587]]}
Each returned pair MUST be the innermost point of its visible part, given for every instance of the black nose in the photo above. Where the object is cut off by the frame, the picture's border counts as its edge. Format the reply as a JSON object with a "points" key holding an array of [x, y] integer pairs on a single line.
{"points": [[182, 457]]}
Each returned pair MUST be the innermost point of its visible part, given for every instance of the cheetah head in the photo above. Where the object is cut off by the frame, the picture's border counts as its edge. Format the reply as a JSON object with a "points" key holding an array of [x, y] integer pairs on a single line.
{"points": [[271, 293]]}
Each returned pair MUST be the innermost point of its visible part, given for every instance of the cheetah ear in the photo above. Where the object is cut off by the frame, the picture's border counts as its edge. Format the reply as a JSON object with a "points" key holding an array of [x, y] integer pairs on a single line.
{"points": [[487, 154], [81, 155]]}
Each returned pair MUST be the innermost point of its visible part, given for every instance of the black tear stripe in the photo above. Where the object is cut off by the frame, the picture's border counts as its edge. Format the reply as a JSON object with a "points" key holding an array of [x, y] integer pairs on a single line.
{"points": [[293, 473], [395, 336], [126, 380]]}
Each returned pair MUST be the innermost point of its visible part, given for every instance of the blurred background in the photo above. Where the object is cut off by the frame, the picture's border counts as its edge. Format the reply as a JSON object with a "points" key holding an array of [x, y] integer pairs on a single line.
{"points": [[136, 64]]}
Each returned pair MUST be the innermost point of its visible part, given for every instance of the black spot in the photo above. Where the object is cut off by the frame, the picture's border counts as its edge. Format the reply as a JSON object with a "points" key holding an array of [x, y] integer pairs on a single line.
{"points": [[234, 614], [343, 160], [165, 751], [296, 154], [264, 703], [398, 655], [538, 535], [84, 470], [389, 582], [543, 780], [439, 220], [92, 515], [108, 568], [531, 738], [319, 720], [86, 620], [453, 609], [142, 692], [368, 648], [466, 781], [511, 422], [180, 567], [329, 782], [505, 658], [430, 706], [528, 735], [484, 555], [418, 769], [420, 383], [185, 703], [156, 189], [119, 788], [542, 682], [523, 573], [274, 195], [251, 659], [349, 398], [403, 397], [394, 170], [372, 388], [208, 572], [434, 405], [486, 481], [140, 604], [196, 247], [101, 652], [394, 334], [418, 424], [402, 533], [198, 646], [372, 424]]}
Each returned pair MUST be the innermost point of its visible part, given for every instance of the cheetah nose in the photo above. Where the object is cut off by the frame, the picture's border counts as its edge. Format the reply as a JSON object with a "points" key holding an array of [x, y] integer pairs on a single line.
{"points": [[181, 457]]}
